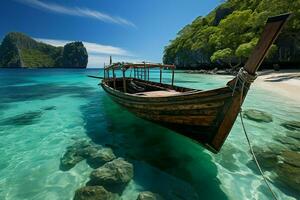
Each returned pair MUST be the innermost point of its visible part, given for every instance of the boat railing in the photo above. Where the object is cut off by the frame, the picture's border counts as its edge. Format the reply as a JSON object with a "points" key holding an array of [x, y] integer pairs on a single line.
{"points": [[140, 71]]}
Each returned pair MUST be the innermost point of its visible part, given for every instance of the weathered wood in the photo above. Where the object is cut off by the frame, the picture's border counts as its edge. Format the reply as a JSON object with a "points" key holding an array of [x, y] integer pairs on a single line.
{"points": [[114, 77], [160, 75], [230, 113], [204, 116], [124, 82], [134, 71], [140, 65], [98, 77], [104, 72], [269, 35], [172, 77], [145, 73]]}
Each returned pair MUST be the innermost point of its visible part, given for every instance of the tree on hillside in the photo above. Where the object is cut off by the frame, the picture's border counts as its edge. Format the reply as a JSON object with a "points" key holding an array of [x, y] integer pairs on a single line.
{"points": [[229, 33]]}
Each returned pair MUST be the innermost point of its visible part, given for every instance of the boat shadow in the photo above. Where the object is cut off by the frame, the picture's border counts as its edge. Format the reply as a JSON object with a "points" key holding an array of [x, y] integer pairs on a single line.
{"points": [[148, 145]]}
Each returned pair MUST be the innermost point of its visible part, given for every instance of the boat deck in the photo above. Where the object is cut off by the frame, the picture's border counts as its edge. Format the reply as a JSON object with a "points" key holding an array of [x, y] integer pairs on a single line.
{"points": [[161, 93]]}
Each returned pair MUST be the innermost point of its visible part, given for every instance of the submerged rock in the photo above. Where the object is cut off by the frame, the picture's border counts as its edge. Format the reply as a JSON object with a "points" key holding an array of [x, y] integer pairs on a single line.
{"points": [[69, 160], [113, 173], [291, 158], [257, 115], [291, 125], [289, 142], [84, 149], [27, 118], [94, 193], [49, 108], [288, 169], [266, 157], [295, 135], [149, 196], [100, 156]]}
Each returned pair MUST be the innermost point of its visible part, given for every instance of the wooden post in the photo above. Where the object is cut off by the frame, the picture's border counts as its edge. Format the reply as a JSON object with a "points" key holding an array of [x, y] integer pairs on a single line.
{"points": [[145, 71], [134, 72], [172, 76], [140, 73], [114, 77], [160, 75], [124, 80], [104, 72]]}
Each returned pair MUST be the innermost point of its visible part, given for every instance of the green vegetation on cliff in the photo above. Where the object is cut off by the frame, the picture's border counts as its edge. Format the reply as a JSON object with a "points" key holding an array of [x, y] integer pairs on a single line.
{"points": [[227, 35], [19, 50]]}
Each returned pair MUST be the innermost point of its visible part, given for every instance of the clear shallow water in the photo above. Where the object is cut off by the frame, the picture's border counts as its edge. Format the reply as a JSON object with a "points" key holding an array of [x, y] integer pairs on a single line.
{"points": [[44, 111]]}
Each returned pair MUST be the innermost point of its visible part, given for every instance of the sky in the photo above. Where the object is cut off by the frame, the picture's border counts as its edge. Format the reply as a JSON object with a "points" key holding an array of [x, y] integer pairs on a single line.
{"points": [[128, 30]]}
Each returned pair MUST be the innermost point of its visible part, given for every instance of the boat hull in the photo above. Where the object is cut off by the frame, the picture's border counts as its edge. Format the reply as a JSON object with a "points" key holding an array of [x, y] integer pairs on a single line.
{"points": [[193, 114]]}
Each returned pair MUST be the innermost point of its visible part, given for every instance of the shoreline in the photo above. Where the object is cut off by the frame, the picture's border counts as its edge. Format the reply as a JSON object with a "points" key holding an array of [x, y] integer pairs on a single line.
{"points": [[284, 82]]}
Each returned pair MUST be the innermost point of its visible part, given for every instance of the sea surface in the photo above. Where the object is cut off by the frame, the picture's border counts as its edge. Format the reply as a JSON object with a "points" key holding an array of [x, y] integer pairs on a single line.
{"points": [[42, 112]]}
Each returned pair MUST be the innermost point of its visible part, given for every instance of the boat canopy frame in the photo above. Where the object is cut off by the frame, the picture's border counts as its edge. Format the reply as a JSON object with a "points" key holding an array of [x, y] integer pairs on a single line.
{"points": [[140, 71]]}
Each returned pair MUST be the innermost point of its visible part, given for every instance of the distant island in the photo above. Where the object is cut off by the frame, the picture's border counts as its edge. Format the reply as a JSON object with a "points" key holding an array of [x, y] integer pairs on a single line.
{"points": [[226, 36], [19, 50]]}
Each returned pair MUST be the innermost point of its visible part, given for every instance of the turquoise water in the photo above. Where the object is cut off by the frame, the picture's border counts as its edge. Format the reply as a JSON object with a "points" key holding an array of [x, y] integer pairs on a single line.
{"points": [[44, 111]]}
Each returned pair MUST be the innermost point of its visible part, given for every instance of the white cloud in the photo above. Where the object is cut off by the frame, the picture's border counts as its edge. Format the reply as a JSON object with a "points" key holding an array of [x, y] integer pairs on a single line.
{"points": [[76, 11], [98, 53]]}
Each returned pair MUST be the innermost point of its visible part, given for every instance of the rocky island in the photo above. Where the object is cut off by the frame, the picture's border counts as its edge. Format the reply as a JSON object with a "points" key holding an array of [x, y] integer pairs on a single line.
{"points": [[19, 50]]}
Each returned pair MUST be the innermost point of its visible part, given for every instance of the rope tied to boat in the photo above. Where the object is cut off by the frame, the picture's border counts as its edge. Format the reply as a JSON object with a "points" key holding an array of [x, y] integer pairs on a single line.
{"points": [[244, 78]]}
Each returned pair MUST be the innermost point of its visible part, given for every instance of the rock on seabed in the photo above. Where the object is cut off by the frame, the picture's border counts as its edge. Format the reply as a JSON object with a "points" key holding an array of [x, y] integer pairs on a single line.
{"points": [[116, 172], [149, 196], [257, 115], [95, 154], [100, 156], [94, 193], [291, 125], [295, 135], [288, 169], [289, 142]]}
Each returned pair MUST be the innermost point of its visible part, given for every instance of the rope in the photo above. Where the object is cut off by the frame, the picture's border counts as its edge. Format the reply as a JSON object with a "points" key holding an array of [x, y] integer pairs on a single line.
{"points": [[244, 77], [255, 159]]}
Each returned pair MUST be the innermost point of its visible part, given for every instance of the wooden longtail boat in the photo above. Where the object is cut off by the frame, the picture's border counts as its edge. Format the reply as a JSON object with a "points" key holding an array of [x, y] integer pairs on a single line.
{"points": [[204, 116]]}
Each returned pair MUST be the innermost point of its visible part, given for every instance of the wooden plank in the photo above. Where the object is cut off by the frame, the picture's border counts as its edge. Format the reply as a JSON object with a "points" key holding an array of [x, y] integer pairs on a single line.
{"points": [[168, 107], [160, 75], [114, 77], [104, 72], [97, 77], [140, 65], [269, 35], [172, 77], [230, 113], [179, 112], [124, 82], [183, 120], [201, 96]]}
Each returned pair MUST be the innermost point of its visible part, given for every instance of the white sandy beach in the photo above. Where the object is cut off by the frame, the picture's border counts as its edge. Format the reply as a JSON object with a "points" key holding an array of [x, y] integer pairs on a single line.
{"points": [[283, 82]]}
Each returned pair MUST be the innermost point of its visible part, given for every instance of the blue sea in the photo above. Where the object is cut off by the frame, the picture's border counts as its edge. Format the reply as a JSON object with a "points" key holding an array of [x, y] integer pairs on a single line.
{"points": [[44, 111]]}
